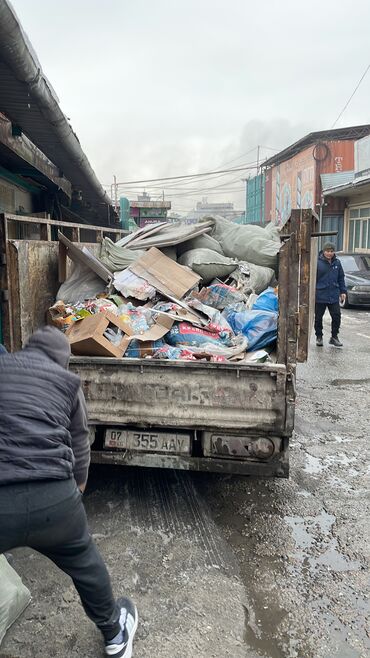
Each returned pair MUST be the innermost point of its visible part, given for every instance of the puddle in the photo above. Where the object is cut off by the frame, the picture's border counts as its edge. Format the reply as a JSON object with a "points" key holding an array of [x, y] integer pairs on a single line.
{"points": [[257, 620], [338, 630], [315, 545]]}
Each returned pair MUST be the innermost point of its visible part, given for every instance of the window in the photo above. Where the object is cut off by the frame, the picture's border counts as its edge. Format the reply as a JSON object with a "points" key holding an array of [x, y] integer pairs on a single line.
{"points": [[359, 228]]}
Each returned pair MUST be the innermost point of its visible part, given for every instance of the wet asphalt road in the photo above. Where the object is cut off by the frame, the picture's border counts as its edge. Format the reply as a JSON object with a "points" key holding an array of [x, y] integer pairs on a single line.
{"points": [[229, 566]]}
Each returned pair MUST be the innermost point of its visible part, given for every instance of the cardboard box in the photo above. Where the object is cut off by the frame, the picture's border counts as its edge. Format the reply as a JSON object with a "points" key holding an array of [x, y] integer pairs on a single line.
{"points": [[87, 336], [166, 276]]}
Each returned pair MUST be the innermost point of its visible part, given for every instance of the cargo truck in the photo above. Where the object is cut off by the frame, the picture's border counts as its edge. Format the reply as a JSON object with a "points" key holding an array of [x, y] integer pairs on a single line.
{"points": [[220, 417]]}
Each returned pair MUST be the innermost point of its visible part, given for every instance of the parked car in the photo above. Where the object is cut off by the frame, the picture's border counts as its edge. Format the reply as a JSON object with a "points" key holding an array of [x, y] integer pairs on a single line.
{"points": [[356, 267]]}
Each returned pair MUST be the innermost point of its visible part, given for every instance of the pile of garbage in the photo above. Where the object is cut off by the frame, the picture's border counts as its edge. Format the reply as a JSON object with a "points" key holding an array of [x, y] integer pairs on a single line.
{"points": [[206, 291]]}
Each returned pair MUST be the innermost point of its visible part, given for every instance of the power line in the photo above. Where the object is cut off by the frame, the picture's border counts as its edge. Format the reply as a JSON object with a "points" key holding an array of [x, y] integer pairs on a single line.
{"points": [[351, 96], [206, 173]]}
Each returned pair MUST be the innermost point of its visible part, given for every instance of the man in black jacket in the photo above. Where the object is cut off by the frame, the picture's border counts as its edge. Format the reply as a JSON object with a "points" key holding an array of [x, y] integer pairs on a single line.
{"points": [[330, 288], [44, 460]]}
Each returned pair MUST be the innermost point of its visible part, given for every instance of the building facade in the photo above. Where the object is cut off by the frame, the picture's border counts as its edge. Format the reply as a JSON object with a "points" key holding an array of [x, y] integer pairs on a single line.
{"points": [[353, 189], [296, 178], [143, 211]]}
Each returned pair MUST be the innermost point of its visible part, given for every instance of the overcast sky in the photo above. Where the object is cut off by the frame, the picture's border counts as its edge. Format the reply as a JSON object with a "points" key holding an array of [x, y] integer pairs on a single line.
{"points": [[159, 88]]}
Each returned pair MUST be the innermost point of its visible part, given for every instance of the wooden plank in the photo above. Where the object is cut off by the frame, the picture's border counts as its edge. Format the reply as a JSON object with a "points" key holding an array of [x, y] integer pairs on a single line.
{"points": [[62, 262], [15, 342], [283, 303], [4, 303], [26, 219], [292, 319], [45, 232], [305, 230], [307, 282], [75, 234]]}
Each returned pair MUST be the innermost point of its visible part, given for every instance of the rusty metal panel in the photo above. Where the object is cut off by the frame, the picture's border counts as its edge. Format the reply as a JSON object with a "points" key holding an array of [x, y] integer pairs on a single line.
{"points": [[183, 395], [241, 446], [276, 467], [32, 284]]}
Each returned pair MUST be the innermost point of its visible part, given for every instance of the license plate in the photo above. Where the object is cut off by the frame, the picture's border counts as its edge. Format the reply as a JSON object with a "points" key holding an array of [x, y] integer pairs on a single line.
{"points": [[138, 441]]}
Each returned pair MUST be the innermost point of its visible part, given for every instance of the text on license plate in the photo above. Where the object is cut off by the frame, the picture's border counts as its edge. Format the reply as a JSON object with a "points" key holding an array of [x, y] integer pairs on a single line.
{"points": [[171, 442]]}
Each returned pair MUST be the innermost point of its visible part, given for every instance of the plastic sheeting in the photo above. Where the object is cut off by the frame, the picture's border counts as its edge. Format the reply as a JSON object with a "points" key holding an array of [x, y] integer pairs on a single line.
{"points": [[82, 284], [14, 596], [118, 258]]}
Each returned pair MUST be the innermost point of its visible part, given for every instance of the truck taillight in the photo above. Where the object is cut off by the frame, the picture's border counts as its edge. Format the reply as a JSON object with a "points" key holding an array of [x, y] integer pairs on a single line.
{"points": [[263, 448]]}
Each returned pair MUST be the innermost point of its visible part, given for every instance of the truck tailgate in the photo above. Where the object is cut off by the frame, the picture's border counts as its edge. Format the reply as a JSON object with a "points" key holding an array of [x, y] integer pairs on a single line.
{"points": [[183, 394]]}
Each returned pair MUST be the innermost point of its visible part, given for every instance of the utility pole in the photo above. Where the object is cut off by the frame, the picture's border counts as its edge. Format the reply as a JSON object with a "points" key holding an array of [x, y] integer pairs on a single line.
{"points": [[260, 181], [115, 192]]}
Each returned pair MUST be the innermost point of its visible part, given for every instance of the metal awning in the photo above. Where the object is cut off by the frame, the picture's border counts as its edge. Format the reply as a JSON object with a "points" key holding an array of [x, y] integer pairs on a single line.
{"points": [[29, 101]]}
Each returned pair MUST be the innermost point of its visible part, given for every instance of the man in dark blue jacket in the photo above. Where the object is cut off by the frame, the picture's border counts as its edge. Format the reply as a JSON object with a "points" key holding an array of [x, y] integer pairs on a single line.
{"points": [[330, 288]]}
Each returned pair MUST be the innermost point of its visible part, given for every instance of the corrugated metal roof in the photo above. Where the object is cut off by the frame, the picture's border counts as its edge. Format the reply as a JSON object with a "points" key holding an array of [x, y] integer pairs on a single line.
{"points": [[28, 100], [352, 132], [336, 180]]}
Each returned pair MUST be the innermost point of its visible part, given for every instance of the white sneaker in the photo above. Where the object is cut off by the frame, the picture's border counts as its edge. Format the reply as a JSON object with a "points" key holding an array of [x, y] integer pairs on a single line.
{"points": [[121, 644]]}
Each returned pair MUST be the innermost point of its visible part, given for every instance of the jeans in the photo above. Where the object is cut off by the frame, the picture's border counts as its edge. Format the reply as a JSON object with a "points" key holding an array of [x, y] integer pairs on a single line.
{"points": [[49, 517], [334, 310]]}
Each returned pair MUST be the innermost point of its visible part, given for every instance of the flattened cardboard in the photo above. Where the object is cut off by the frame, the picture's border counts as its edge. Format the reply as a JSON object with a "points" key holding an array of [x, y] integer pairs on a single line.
{"points": [[87, 336], [169, 278]]}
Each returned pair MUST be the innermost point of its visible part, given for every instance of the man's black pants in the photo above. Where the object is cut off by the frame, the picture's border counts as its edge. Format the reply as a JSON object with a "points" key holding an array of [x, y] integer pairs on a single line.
{"points": [[49, 517], [334, 310]]}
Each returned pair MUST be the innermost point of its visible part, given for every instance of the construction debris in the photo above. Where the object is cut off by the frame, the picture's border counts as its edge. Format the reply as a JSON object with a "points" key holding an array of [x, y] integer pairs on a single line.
{"points": [[155, 307]]}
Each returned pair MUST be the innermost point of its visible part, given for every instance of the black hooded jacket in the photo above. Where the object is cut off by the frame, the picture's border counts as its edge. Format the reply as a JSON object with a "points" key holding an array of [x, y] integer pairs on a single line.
{"points": [[43, 418]]}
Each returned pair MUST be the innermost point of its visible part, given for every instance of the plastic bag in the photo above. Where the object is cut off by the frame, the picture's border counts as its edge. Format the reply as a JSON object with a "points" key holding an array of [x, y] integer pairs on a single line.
{"points": [[140, 319], [252, 278], [272, 231], [267, 301], [246, 242], [219, 295], [135, 347], [237, 345], [259, 327], [217, 322], [183, 333], [14, 596], [173, 353], [208, 264], [82, 284], [204, 241]]}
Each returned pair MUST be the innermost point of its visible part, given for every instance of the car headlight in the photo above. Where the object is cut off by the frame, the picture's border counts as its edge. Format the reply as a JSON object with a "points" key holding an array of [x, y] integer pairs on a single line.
{"points": [[361, 288]]}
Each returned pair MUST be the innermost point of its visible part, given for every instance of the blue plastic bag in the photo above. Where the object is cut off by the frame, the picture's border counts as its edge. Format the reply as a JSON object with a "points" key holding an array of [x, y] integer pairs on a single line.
{"points": [[259, 327], [133, 350], [267, 301]]}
